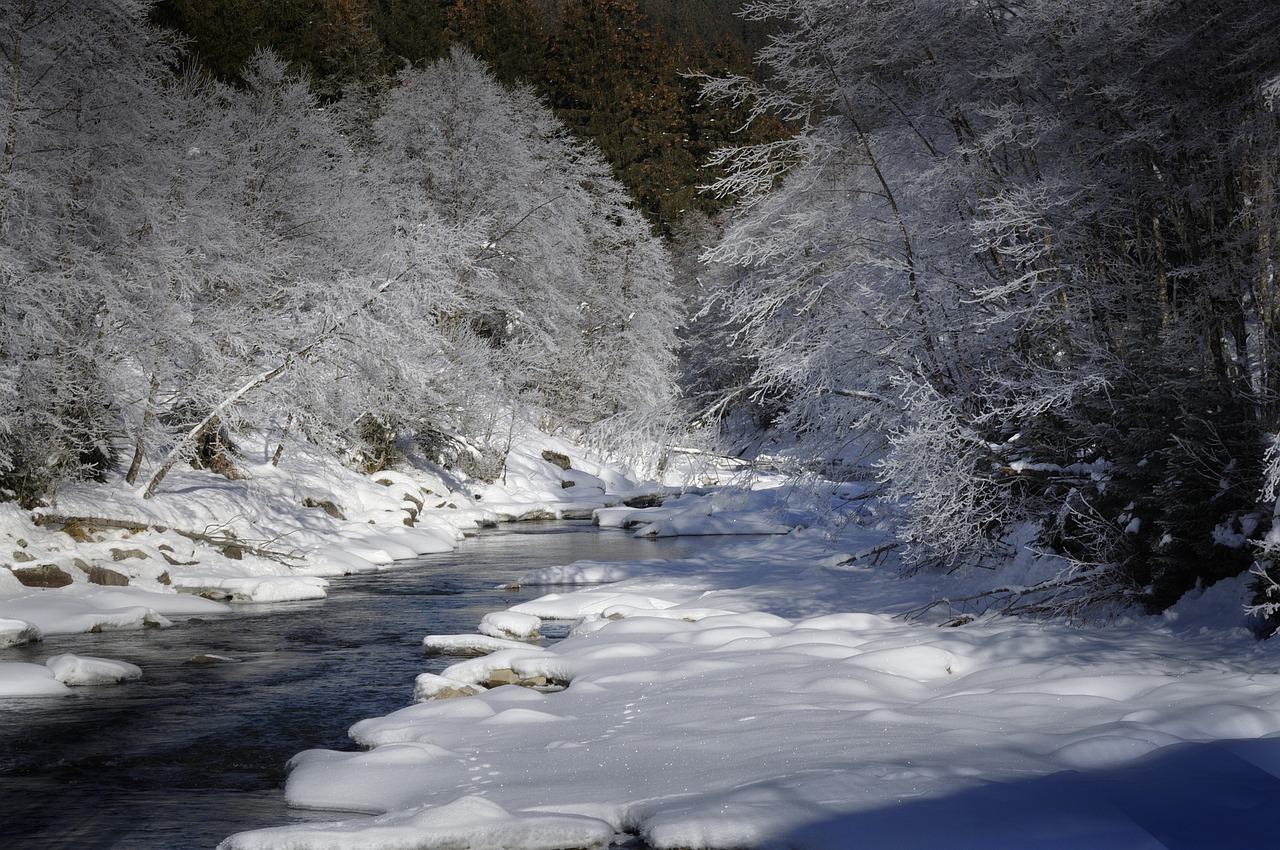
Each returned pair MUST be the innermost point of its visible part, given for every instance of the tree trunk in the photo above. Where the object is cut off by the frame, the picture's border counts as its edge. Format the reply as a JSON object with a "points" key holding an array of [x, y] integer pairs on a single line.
{"points": [[148, 417]]}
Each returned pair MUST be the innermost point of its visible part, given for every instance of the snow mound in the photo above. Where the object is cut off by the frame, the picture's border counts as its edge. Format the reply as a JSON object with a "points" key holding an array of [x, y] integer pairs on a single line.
{"points": [[86, 607], [88, 670], [18, 632], [253, 589], [510, 625], [19, 679], [717, 726], [470, 644], [469, 823]]}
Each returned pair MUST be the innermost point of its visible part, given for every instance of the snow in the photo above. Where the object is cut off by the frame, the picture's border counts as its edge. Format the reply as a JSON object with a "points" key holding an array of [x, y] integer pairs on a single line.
{"points": [[470, 823], [468, 644], [758, 511], [768, 692], [20, 679], [88, 670], [18, 632], [87, 607], [257, 589], [510, 625]]}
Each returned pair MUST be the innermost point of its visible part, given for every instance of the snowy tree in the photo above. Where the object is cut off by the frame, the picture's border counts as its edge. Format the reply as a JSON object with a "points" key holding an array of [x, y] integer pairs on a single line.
{"points": [[1011, 242], [77, 165], [569, 300]]}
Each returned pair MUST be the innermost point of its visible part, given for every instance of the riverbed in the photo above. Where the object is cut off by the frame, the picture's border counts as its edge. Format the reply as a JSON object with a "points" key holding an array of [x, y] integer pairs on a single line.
{"points": [[194, 752]]}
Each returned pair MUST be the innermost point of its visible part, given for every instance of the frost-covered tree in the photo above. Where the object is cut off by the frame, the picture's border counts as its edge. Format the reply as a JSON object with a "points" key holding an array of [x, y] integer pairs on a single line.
{"points": [[77, 162], [1021, 245], [182, 260], [569, 299]]}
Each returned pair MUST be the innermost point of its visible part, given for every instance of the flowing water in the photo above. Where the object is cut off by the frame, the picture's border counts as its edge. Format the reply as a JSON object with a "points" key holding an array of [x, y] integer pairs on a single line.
{"points": [[194, 752]]}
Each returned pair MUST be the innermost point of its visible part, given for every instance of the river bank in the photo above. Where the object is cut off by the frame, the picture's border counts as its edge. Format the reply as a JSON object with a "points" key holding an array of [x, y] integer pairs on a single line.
{"points": [[796, 692], [100, 556], [192, 752]]}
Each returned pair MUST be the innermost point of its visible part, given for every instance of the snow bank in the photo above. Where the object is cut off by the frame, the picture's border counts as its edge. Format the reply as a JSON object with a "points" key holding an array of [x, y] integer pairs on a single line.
{"points": [[18, 632], [256, 589], [20, 679], [273, 534], [470, 823], [738, 700], [757, 511], [86, 607]]}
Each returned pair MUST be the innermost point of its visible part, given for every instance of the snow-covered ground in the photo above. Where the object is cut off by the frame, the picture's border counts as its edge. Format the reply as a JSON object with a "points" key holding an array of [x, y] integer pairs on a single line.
{"points": [[103, 557], [764, 695], [767, 693]]}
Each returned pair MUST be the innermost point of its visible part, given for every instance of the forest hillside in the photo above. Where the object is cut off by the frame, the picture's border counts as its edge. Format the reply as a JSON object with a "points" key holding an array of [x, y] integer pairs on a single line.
{"points": [[1016, 263]]}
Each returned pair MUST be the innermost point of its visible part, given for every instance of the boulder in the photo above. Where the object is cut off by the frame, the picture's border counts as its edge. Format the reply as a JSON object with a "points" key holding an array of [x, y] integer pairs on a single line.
{"points": [[45, 575], [108, 578], [429, 686], [558, 458], [207, 658]]}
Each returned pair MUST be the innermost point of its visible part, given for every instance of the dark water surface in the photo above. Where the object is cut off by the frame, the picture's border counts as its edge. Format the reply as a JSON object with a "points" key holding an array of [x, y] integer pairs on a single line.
{"points": [[192, 753]]}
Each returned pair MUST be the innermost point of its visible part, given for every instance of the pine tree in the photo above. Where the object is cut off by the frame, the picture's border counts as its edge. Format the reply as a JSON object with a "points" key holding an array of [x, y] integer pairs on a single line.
{"points": [[510, 35]]}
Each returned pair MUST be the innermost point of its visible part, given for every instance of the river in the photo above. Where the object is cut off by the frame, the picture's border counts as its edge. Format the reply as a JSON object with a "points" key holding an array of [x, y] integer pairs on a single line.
{"points": [[194, 752]]}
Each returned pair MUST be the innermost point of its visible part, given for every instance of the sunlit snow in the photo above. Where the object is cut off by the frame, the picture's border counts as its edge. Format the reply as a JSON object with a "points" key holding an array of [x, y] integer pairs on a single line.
{"points": [[753, 697], [766, 693]]}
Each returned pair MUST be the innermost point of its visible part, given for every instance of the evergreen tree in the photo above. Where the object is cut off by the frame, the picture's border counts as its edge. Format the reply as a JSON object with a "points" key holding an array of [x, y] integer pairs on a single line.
{"points": [[613, 82], [510, 35]]}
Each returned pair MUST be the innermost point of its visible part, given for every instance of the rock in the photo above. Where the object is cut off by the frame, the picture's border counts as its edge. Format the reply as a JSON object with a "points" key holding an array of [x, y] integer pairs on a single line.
{"points": [[108, 578], [23, 557], [127, 554], [77, 532], [559, 459], [505, 676], [536, 514], [206, 658], [325, 505], [88, 670], [164, 579], [646, 500], [45, 575], [429, 686]]}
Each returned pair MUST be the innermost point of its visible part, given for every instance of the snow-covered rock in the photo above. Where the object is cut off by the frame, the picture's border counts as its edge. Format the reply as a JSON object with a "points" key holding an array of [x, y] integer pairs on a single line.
{"points": [[469, 644], [510, 625], [17, 632], [429, 686], [253, 589], [88, 670]]}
